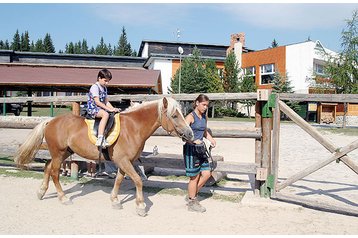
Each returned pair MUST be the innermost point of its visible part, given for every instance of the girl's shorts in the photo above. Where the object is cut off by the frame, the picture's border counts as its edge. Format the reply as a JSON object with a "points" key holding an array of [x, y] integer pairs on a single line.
{"points": [[194, 164]]}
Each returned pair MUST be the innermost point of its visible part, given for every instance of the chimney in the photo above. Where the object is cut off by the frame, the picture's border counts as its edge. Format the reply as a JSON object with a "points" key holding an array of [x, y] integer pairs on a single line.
{"points": [[238, 37]]}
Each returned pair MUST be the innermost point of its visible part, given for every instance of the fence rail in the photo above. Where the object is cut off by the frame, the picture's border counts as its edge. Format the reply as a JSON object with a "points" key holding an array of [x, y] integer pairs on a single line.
{"points": [[352, 98]]}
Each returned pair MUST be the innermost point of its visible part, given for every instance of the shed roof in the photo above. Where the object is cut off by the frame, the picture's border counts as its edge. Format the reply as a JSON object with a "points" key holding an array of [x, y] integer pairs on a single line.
{"points": [[65, 77]]}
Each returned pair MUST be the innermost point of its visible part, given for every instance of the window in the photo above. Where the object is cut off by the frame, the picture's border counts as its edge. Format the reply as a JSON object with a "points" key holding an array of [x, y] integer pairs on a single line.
{"points": [[267, 72], [250, 72], [319, 69]]}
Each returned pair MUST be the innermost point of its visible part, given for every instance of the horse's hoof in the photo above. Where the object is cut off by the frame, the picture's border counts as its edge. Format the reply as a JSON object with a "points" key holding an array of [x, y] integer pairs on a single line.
{"points": [[40, 195], [141, 212], [117, 205]]}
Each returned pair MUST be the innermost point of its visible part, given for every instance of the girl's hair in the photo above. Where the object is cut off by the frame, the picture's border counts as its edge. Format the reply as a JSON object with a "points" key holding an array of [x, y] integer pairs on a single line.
{"points": [[201, 98], [104, 73]]}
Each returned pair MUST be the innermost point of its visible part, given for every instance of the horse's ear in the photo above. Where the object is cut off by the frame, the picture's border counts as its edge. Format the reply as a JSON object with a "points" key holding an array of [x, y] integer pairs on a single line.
{"points": [[165, 102]]}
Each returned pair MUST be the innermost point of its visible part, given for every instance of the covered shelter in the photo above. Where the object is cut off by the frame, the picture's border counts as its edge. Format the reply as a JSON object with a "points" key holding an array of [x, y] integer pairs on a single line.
{"points": [[59, 78]]}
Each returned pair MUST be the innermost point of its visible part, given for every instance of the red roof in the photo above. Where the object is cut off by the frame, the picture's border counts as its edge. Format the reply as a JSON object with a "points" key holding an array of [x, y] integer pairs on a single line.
{"points": [[43, 75]]}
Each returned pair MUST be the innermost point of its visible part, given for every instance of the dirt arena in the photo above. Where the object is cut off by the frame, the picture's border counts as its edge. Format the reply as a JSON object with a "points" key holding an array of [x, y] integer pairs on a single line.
{"points": [[91, 213]]}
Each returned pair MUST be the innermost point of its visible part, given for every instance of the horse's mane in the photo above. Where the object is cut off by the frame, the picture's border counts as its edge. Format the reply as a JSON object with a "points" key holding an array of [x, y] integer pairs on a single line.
{"points": [[172, 106]]}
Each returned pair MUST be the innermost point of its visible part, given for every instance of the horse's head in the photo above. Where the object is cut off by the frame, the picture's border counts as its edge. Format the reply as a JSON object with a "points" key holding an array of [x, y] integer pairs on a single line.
{"points": [[172, 119]]}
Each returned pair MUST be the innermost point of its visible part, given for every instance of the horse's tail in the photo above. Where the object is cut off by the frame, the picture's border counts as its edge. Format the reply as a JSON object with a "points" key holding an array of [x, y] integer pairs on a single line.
{"points": [[29, 148]]}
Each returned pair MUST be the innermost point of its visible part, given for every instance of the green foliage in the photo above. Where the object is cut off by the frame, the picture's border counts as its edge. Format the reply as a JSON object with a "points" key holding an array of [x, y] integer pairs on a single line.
{"points": [[214, 80], [192, 74], [101, 48], [25, 41], [247, 84], [231, 71], [343, 70], [48, 45], [39, 46], [274, 43], [228, 112], [16, 44], [123, 47], [281, 84]]}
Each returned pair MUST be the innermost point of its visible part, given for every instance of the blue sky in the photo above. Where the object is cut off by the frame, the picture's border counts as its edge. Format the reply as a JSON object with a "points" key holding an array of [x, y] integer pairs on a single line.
{"points": [[198, 23]]}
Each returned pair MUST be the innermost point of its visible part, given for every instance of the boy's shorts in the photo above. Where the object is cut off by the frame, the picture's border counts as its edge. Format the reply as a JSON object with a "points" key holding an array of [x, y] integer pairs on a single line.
{"points": [[194, 164]]}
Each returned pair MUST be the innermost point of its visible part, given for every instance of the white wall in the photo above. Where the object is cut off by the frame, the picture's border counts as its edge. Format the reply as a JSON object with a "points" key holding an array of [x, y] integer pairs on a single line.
{"points": [[299, 65], [300, 60], [165, 67]]}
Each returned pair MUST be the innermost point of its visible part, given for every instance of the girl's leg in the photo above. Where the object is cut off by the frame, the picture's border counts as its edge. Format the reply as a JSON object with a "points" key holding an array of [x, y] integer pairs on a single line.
{"points": [[205, 175], [193, 186]]}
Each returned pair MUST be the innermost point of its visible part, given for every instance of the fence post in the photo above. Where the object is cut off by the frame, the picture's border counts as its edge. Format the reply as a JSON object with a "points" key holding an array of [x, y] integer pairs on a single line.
{"points": [[275, 144], [258, 143], [265, 95], [76, 108]]}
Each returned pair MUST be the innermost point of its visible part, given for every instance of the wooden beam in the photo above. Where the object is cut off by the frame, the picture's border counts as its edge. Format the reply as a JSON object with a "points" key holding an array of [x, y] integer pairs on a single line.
{"points": [[275, 142], [258, 142], [315, 204], [352, 98], [317, 166], [175, 161], [315, 134]]}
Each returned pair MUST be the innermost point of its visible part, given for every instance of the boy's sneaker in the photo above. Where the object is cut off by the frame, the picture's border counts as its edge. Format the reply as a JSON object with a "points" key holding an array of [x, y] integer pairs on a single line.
{"points": [[99, 142], [195, 206]]}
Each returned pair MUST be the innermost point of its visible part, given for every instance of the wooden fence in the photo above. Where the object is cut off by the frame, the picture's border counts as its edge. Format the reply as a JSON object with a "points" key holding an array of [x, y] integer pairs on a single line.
{"points": [[266, 132]]}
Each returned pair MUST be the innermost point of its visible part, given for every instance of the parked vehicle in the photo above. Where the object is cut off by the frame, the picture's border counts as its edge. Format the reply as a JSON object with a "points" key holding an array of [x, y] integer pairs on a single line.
{"points": [[15, 108]]}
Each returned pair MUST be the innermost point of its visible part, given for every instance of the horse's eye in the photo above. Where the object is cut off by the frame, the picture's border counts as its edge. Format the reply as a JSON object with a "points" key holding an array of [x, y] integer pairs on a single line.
{"points": [[174, 116]]}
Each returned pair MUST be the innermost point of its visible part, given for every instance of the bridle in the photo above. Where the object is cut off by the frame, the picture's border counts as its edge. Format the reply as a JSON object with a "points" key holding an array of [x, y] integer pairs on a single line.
{"points": [[169, 119]]}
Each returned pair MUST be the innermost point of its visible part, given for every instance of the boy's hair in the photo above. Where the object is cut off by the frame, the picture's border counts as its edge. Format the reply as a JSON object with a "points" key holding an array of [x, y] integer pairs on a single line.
{"points": [[104, 73]]}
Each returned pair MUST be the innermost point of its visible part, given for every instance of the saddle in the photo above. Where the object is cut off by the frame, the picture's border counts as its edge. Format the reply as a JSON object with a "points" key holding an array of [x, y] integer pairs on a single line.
{"points": [[112, 128]]}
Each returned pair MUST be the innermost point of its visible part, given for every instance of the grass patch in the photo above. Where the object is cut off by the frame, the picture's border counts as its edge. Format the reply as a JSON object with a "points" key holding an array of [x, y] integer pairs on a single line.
{"points": [[245, 119], [6, 160], [46, 111], [177, 178], [19, 173]]}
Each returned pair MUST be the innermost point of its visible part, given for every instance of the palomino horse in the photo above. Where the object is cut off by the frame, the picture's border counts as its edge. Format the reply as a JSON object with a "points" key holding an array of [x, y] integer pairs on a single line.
{"points": [[68, 133]]}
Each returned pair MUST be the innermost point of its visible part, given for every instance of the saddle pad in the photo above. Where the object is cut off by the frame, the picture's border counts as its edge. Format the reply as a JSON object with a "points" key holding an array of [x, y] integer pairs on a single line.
{"points": [[112, 134]]}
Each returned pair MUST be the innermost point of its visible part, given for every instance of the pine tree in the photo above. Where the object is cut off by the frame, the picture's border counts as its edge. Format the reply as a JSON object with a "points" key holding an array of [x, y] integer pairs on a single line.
{"points": [[25, 41], [193, 75], [274, 43], [247, 84], [84, 47], [71, 48], [231, 71], [7, 45], [101, 48], [2, 44], [48, 45], [39, 46], [213, 77], [15, 45], [32, 46], [282, 84], [123, 48]]}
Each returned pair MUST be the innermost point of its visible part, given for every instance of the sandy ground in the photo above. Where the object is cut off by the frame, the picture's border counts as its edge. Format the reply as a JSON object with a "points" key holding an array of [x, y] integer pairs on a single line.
{"points": [[91, 212]]}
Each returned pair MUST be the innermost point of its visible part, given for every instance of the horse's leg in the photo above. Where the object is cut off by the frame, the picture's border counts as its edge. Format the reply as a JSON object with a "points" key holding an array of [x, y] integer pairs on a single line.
{"points": [[55, 174], [116, 204], [128, 168], [44, 186]]}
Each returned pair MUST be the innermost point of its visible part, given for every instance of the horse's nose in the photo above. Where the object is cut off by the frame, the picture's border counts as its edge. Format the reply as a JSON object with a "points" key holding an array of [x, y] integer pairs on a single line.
{"points": [[189, 134]]}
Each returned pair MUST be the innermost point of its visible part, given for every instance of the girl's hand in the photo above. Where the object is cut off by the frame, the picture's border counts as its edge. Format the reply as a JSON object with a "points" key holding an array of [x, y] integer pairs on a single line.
{"points": [[213, 143]]}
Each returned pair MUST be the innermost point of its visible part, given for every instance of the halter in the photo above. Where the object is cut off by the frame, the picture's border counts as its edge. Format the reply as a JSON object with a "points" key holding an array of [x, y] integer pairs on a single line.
{"points": [[169, 118]]}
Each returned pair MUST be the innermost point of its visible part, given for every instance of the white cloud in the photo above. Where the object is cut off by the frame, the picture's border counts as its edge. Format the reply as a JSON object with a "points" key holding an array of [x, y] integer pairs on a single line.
{"points": [[140, 14], [291, 16]]}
